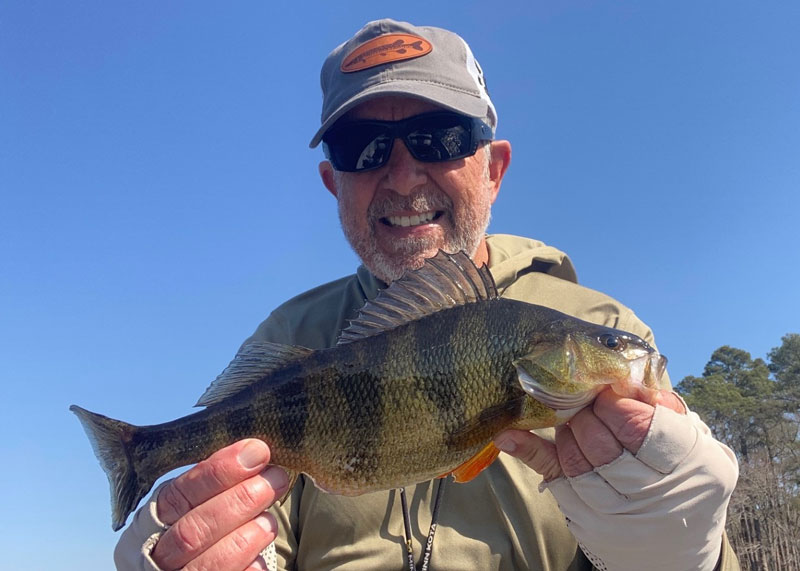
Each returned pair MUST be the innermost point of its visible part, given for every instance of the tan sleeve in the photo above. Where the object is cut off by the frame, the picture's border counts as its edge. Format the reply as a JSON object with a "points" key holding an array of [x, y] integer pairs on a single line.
{"points": [[676, 488], [286, 514], [135, 546], [727, 559]]}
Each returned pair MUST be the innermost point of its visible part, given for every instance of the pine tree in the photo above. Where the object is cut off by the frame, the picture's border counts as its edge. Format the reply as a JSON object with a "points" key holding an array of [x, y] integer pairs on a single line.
{"points": [[753, 407]]}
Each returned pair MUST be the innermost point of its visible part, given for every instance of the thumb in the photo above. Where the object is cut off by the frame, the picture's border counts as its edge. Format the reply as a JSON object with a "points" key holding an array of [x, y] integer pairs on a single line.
{"points": [[536, 452]]}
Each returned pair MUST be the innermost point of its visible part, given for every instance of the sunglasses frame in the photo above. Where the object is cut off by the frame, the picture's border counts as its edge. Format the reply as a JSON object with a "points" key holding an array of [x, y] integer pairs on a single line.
{"points": [[479, 131]]}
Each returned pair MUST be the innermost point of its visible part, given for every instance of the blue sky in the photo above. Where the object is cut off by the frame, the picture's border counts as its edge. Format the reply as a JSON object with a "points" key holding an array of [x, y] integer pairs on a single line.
{"points": [[159, 197]]}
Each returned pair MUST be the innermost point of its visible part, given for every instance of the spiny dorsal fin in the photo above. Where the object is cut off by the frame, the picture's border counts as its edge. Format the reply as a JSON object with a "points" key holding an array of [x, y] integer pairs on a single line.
{"points": [[446, 280], [251, 363]]}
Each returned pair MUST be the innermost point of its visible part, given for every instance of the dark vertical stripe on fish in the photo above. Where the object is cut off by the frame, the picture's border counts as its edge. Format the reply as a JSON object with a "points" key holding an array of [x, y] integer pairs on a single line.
{"points": [[217, 426], [365, 406], [438, 344], [241, 421], [152, 440], [291, 407]]}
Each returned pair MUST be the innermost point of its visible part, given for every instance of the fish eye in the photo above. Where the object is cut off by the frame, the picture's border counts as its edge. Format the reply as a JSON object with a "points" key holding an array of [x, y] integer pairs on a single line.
{"points": [[612, 341]]}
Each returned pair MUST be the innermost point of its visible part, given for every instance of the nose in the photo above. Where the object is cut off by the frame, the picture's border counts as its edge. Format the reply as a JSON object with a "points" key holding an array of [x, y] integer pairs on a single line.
{"points": [[404, 173]]}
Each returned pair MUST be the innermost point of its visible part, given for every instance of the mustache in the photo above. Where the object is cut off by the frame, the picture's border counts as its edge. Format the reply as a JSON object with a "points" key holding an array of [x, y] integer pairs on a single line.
{"points": [[422, 200]]}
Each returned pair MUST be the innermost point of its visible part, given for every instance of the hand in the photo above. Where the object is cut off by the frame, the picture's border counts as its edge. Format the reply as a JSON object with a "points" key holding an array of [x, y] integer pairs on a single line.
{"points": [[641, 486], [593, 437], [215, 511]]}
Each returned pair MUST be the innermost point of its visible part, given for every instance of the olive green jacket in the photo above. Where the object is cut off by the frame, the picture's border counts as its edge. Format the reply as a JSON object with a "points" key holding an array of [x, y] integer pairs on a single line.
{"points": [[499, 520]]}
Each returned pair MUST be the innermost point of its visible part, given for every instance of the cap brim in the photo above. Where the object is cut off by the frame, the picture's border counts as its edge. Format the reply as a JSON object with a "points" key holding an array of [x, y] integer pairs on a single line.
{"points": [[442, 96]]}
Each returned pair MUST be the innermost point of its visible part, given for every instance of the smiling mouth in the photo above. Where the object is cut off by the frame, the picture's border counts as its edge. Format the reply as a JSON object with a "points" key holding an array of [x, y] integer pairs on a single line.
{"points": [[415, 220]]}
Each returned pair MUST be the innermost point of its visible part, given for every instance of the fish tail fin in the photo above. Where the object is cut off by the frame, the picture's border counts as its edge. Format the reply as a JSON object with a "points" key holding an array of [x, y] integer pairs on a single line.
{"points": [[111, 440]]}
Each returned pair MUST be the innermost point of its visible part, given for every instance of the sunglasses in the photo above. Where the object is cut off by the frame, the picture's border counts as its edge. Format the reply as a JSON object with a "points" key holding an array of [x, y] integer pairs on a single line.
{"points": [[362, 145]]}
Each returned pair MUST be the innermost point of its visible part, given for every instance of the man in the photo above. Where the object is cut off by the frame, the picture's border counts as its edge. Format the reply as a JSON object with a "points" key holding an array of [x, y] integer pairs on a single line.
{"points": [[408, 130]]}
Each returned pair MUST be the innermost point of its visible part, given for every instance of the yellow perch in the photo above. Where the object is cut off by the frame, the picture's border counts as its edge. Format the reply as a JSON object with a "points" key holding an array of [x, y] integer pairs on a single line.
{"points": [[417, 387]]}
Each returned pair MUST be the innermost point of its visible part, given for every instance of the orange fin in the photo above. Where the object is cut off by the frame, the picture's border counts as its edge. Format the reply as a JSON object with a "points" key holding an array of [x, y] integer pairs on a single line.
{"points": [[475, 465]]}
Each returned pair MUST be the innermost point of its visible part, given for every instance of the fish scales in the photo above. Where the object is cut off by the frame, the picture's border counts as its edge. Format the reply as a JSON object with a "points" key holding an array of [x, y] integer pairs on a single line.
{"points": [[365, 398], [419, 385], [374, 409], [427, 416], [379, 406], [464, 376], [344, 413]]}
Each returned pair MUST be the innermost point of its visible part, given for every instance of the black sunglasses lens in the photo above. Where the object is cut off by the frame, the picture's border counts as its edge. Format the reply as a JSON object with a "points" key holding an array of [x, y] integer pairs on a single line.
{"points": [[359, 146], [434, 137], [441, 138]]}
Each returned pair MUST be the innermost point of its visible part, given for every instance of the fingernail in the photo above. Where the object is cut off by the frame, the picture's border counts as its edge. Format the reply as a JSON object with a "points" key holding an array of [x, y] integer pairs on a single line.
{"points": [[253, 454], [258, 565], [506, 444], [265, 523], [277, 477]]}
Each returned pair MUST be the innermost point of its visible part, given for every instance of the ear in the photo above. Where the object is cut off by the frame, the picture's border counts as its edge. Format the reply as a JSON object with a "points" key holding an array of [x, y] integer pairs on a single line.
{"points": [[501, 158], [326, 174]]}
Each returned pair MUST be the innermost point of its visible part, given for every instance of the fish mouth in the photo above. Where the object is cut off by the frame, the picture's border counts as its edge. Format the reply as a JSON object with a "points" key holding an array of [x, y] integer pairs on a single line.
{"points": [[659, 363], [648, 369], [406, 221]]}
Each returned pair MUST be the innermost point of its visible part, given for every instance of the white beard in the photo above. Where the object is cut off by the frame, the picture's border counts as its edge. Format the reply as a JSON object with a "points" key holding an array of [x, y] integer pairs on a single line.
{"points": [[467, 227]]}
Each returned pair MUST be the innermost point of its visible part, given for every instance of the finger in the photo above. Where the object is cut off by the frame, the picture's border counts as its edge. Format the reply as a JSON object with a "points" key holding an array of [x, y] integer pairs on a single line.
{"points": [[218, 517], [570, 456], [218, 472], [239, 549], [597, 443], [671, 400], [259, 564], [627, 419], [537, 453]]}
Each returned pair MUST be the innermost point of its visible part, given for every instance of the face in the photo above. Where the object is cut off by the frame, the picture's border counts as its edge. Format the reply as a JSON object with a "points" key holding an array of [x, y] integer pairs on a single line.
{"points": [[398, 215]]}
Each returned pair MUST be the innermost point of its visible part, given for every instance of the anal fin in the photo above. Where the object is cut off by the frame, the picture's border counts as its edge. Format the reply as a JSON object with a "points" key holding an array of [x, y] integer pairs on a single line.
{"points": [[475, 465]]}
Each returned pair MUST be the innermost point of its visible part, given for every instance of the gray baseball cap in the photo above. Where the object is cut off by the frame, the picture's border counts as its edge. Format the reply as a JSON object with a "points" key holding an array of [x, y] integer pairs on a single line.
{"points": [[386, 57]]}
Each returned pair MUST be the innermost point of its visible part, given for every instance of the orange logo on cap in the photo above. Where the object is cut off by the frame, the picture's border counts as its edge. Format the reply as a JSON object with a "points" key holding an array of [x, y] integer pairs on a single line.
{"points": [[385, 49]]}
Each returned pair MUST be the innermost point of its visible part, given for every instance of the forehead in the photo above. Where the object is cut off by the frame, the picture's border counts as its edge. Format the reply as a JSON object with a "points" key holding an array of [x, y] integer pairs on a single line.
{"points": [[391, 108]]}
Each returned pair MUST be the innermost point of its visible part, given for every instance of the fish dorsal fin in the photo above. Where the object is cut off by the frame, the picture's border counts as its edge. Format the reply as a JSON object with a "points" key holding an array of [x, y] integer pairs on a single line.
{"points": [[251, 363], [446, 280]]}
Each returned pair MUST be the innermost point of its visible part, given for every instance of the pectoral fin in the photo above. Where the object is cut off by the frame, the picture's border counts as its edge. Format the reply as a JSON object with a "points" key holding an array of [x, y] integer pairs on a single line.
{"points": [[475, 465]]}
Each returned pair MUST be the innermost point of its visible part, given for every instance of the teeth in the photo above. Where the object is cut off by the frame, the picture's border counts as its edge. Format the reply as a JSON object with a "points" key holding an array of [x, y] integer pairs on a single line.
{"points": [[415, 220]]}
